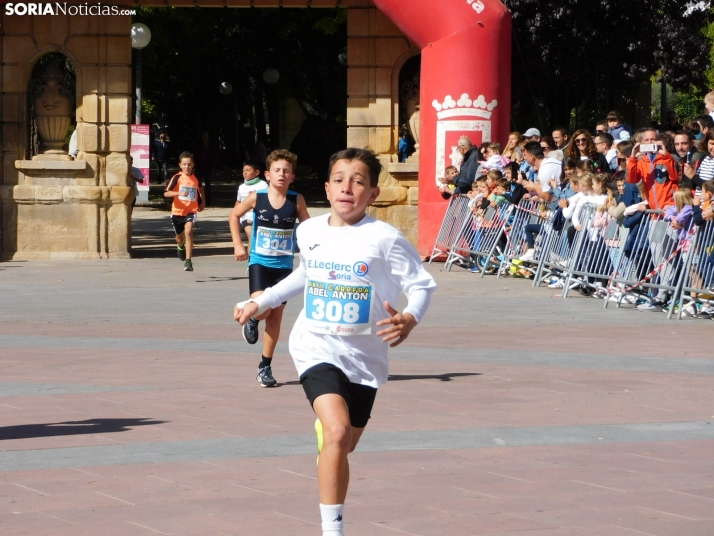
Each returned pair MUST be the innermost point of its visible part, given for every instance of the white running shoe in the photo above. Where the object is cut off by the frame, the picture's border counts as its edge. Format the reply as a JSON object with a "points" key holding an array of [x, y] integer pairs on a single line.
{"points": [[556, 283], [528, 255]]}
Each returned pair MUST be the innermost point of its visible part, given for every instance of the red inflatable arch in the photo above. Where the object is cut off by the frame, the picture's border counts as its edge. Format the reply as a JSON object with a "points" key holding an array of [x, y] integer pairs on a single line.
{"points": [[465, 85]]}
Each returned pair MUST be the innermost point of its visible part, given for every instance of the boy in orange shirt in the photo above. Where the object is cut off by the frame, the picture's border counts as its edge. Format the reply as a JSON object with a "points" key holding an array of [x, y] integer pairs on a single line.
{"points": [[188, 196]]}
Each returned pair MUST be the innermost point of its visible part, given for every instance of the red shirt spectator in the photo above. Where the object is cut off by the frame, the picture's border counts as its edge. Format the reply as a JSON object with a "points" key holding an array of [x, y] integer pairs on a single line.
{"points": [[657, 170]]}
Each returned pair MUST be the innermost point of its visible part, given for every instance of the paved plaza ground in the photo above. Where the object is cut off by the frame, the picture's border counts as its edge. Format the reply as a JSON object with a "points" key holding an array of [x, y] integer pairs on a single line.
{"points": [[129, 406]]}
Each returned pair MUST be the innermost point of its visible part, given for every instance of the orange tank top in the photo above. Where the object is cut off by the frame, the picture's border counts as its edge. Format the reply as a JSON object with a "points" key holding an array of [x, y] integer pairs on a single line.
{"points": [[189, 197]]}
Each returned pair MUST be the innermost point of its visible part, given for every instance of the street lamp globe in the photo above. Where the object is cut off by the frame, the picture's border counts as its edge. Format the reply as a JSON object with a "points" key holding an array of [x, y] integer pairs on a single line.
{"points": [[140, 35], [271, 76], [225, 88]]}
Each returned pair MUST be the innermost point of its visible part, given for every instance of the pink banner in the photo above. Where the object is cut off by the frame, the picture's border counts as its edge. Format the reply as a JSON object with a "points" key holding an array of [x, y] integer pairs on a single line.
{"points": [[140, 152]]}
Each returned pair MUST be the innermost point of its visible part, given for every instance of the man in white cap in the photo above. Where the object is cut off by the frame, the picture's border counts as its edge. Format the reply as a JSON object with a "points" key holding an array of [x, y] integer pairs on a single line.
{"points": [[532, 134]]}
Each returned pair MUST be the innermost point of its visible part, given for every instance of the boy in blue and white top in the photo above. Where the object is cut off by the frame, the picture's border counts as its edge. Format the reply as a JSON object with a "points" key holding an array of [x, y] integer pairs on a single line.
{"points": [[272, 248], [352, 268]]}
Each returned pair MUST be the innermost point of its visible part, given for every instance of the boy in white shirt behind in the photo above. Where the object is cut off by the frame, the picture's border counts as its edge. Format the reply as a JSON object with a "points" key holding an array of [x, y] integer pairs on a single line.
{"points": [[352, 268], [252, 182]]}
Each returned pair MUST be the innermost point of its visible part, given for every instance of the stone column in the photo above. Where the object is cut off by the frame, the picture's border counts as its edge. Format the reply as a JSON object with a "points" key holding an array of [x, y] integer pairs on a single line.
{"points": [[376, 50], [95, 200]]}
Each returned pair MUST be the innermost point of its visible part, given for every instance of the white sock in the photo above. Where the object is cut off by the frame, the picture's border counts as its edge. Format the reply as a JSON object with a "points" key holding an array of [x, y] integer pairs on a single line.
{"points": [[332, 519]]}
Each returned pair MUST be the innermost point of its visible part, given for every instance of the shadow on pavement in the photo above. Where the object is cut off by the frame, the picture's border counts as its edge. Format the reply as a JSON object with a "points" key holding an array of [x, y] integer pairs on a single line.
{"points": [[90, 426], [446, 377], [155, 238]]}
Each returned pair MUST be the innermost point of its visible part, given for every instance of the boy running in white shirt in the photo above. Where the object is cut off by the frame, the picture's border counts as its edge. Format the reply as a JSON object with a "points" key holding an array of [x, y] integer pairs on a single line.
{"points": [[252, 182], [272, 248], [352, 268]]}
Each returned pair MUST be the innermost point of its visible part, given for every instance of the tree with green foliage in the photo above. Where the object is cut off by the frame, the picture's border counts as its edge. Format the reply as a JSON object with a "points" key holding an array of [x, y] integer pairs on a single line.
{"points": [[589, 56]]}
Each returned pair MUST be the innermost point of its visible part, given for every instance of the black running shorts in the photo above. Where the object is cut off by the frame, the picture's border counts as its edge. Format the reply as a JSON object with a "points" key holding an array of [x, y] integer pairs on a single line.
{"points": [[179, 222], [325, 379], [261, 277]]}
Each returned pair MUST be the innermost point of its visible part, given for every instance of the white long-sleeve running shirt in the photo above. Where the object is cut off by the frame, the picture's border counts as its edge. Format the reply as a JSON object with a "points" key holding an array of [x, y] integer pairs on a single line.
{"points": [[346, 274]]}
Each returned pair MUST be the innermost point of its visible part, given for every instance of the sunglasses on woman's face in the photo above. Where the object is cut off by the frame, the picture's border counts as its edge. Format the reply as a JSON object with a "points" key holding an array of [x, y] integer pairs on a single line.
{"points": [[581, 140]]}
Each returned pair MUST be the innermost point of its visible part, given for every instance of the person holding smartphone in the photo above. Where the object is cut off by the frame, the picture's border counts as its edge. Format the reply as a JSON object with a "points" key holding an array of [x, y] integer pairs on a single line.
{"points": [[701, 170], [651, 163]]}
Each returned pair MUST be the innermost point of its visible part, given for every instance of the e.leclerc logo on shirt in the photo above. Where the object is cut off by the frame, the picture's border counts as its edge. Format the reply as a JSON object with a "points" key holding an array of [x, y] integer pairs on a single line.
{"points": [[360, 268]]}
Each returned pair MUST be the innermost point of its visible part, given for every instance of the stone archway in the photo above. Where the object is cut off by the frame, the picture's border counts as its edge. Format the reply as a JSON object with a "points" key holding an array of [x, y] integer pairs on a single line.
{"points": [[465, 89]]}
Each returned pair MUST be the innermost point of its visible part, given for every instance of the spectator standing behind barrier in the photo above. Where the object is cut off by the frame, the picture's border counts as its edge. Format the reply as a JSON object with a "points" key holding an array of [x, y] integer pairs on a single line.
{"points": [[617, 128], [657, 171], [703, 170], [161, 156], [706, 123], [469, 165], [685, 153], [514, 140], [403, 147], [532, 134], [692, 127], [603, 145], [624, 151], [672, 122], [560, 137], [546, 170], [601, 127], [206, 155], [583, 148]]}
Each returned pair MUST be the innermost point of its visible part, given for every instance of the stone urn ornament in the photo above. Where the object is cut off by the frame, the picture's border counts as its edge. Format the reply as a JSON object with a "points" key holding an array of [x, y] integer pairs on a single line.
{"points": [[52, 94]]}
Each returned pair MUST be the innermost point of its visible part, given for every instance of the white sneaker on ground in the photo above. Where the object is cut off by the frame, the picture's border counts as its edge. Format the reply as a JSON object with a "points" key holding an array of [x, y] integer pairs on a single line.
{"points": [[653, 306], [528, 255]]}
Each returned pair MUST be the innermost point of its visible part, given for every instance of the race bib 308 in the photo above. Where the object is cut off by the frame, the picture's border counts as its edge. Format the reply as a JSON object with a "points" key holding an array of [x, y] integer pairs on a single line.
{"points": [[338, 309]]}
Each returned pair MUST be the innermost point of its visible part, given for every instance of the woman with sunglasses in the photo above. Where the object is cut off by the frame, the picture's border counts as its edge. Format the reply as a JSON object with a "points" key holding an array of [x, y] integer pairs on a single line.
{"points": [[583, 148]]}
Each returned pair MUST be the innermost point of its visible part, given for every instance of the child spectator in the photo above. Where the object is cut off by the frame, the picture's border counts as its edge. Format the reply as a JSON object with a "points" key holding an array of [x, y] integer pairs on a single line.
{"points": [[703, 202], [188, 200], [446, 183], [479, 190], [498, 197], [619, 130], [494, 160], [702, 273], [680, 215]]}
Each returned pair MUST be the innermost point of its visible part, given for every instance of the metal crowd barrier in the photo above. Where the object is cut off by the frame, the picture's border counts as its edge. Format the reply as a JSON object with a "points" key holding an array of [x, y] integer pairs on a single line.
{"points": [[696, 284], [457, 213], [598, 251], [551, 247], [648, 257], [652, 260], [479, 239], [528, 212]]}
